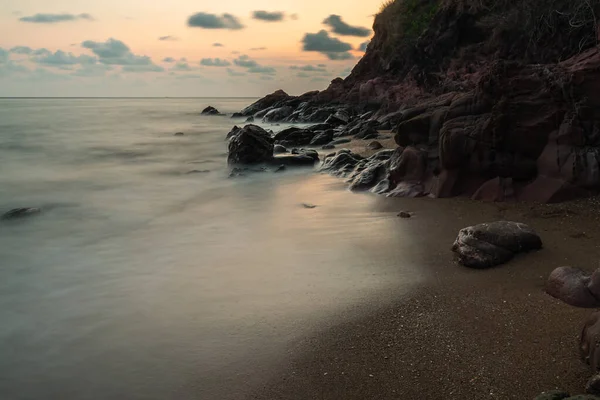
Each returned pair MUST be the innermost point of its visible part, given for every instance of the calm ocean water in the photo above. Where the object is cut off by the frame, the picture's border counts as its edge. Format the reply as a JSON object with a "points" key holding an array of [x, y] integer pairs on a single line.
{"points": [[141, 281]]}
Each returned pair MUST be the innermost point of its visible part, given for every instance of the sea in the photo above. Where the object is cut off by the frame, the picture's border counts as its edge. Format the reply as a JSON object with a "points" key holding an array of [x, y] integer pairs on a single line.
{"points": [[150, 273]]}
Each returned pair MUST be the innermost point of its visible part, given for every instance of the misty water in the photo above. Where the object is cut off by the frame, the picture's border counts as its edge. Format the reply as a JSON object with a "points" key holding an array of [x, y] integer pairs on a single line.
{"points": [[140, 280]]}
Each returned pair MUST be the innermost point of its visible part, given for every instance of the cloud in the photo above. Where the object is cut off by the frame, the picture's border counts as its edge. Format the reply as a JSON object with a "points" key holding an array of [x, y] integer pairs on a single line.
{"points": [[21, 50], [309, 68], [262, 70], [42, 52], [55, 18], [321, 65], [115, 52], [341, 28], [363, 46], [168, 59], [275, 16], [11, 68], [168, 38], [303, 75], [213, 21], [214, 62], [258, 48], [62, 59], [92, 70], [252, 66], [182, 66], [217, 45], [332, 47], [4, 56], [319, 80], [232, 72]]}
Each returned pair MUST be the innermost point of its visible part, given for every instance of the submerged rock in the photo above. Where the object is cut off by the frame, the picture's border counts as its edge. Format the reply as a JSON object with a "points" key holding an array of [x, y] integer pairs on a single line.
{"points": [[210, 111], [250, 145], [178, 134], [490, 244], [22, 212]]}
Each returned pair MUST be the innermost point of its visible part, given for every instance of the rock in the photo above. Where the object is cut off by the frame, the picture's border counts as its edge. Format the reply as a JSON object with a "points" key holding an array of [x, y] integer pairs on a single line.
{"points": [[366, 132], [280, 168], [320, 127], [593, 385], [233, 132], [404, 214], [294, 160], [294, 136], [178, 134], [575, 287], [250, 145], [265, 102], [339, 118], [490, 244], [22, 212], [278, 114], [375, 145], [553, 395], [250, 119], [341, 141], [278, 149], [237, 115], [210, 111], [322, 138], [307, 152], [368, 178], [198, 171], [308, 205], [328, 147]]}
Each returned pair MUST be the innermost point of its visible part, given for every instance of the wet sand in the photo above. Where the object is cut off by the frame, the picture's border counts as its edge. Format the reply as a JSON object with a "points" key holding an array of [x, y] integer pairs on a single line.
{"points": [[460, 333]]}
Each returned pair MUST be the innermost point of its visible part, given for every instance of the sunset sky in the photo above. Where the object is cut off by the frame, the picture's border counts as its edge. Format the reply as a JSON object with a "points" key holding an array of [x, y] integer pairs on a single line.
{"points": [[179, 47]]}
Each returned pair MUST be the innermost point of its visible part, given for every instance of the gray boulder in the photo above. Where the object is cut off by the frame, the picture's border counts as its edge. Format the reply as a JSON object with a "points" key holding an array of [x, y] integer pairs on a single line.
{"points": [[250, 145], [490, 244]]}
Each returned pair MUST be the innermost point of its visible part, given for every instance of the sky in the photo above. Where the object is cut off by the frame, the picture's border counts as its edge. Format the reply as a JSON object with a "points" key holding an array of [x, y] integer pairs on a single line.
{"points": [[178, 48]]}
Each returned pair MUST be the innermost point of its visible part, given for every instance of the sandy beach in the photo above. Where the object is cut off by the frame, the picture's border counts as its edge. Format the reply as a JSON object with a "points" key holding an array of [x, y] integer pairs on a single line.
{"points": [[461, 333]]}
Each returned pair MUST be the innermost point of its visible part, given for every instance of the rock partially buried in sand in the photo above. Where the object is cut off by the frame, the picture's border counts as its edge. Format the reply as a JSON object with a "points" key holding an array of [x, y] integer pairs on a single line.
{"points": [[575, 287], [178, 134], [210, 111], [490, 244], [404, 214], [22, 212], [308, 205]]}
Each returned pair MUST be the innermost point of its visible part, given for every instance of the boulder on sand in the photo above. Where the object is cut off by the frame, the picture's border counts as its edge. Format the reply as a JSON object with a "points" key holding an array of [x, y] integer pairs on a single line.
{"points": [[250, 145], [490, 244], [210, 110], [575, 287]]}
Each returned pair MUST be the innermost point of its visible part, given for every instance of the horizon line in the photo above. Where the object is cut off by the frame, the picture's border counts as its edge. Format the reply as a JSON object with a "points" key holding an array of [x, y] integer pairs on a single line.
{"points": [[125, 97]]}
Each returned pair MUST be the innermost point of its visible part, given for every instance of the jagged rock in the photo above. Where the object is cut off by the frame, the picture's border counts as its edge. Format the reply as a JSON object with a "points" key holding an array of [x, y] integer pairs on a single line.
{"points": [[266, 102], [340, 117], [22, 212], [237, 115], [575, 287], [490, 244], [278, 114], [366, 132], [320, 127], [368, 177], [295, 136], [210, 111], [233, 132], [341, 163], [250, 145], [278, 149], [322, 138]]}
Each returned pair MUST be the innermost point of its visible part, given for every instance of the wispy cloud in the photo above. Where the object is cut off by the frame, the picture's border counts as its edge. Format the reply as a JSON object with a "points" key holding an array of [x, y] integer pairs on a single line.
{"points": [[213, 21], [55, 18], [168, 38], [252, 66], [214, 62], [275, 16]]}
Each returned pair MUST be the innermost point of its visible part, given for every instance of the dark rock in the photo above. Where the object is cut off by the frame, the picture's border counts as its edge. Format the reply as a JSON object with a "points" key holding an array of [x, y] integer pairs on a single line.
{"points": [[341, 117], [340, 163], [308, 205], [383, 155], [320, 127], [280, 168], [553, 395], [237, 115], [328, 147], [294, 160], [490, 244], [250, 119], [278, 114], [295, 136], [210, 111], [233, 132], [375, 145], [341, 141], [385, 126], [368, 177], [575, 287], [366, 132], [262, 113], [198, 171], [266, 102], [22, 212], [593, 385], [178, 134], [322, 138], [250, 145], [404, 214], [278, 149]]}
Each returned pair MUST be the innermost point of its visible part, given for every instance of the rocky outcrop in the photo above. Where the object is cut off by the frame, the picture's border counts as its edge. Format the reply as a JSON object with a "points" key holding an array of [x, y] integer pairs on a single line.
{"points": [[490, 244], [250, 145], [210, 111]]}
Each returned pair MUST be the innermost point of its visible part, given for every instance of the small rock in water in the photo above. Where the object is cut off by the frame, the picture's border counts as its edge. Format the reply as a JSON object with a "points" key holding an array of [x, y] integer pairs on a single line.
{"points": [[16, 213], [281, 168], [198, 171], [308, 205], [178, 134], [210, 111], [404, 214]]}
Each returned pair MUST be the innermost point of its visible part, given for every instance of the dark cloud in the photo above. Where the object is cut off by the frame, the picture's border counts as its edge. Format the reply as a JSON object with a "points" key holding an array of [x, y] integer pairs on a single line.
{"points": [[168, 59], [232, 72], [252, 66], [115, 52], [217, 45], [55, 18], [339, 56], [182, 66], [21, 50], [168, 38], [309, 68], [341, 28], [267, 16], [363, 46], [262, 70], [142, 68], [61, 59], [332, 47], [214, 62], [258, 48], [42, 52], [213, 21]]}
